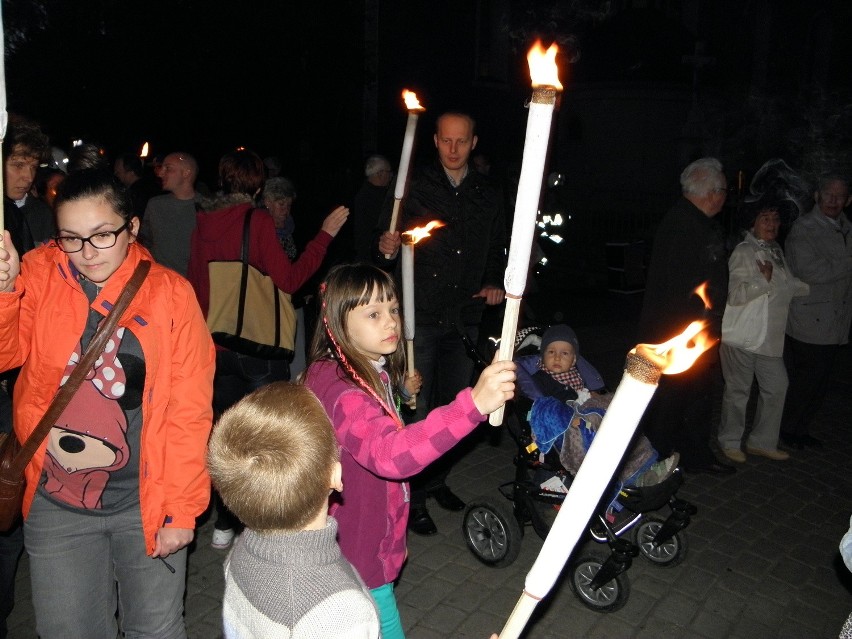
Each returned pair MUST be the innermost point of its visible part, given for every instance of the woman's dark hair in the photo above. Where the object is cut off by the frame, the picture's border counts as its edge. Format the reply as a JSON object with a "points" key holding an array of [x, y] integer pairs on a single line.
{"points": [[87, 156], [241, 171], [95, 183]]}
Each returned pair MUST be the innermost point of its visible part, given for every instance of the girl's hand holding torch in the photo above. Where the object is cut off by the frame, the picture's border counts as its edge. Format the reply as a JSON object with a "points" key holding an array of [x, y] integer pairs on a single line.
{"points": [[10, 265], [495, 386]]}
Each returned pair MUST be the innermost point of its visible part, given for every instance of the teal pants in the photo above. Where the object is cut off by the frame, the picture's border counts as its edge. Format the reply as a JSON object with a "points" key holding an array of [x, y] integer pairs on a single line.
{"points": [[388, 612]]}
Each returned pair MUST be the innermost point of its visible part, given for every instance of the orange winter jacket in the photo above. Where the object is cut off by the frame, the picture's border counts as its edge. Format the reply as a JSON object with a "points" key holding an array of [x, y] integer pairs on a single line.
{"points": [[42, 321]]}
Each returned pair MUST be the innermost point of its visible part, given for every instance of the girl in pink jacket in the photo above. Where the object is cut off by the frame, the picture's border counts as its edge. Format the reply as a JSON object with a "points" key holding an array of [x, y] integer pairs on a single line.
{"points": [[357, 359]]}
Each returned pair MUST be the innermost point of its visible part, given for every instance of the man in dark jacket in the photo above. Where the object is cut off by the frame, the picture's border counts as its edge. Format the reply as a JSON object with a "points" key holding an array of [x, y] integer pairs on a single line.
{"points": [[28, 219], [458, 271], [367, 205], [688, 250]]}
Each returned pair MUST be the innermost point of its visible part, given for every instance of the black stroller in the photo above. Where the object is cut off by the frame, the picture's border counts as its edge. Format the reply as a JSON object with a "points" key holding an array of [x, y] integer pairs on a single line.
{"points": [[629, 525]]}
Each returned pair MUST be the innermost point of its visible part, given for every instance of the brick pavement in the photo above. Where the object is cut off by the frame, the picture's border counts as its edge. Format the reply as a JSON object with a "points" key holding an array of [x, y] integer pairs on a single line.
{"points": [[762, 559]]}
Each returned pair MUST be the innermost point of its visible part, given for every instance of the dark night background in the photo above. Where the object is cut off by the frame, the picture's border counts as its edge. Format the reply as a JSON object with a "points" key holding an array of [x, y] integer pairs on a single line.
{"points": [[649, 86]]}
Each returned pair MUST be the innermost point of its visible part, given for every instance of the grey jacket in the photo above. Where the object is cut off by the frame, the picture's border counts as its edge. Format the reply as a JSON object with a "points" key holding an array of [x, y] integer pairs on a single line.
{"points": [[819, 252]]}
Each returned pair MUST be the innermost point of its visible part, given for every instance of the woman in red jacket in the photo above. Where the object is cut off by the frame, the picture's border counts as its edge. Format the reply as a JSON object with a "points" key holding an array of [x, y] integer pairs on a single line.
{"points": [[218, 236], [113, 492]]}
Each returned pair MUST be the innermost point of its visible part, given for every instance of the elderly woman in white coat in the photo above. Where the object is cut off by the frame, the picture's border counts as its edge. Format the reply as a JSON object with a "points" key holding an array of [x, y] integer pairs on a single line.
{"points": [[759, 292]]}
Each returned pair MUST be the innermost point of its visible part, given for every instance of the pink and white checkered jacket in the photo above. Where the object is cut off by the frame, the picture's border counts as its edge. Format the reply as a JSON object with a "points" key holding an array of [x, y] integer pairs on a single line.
{"points": [[377, 457]]}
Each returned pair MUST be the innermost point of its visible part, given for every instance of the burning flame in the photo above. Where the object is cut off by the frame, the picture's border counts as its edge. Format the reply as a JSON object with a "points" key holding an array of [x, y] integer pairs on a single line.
{"points": [[679, 353], [701, 291], [411, 101], [144, 153], [418, 233], [543, 69]]}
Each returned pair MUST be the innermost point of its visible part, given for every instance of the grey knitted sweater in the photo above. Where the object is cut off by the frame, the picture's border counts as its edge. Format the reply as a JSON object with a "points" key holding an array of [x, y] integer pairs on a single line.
{"points": [[295, 586]]}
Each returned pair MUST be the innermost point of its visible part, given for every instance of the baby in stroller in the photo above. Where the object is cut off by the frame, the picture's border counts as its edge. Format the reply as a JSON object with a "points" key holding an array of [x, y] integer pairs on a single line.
{"points": [[569, 399], [558, 407]]}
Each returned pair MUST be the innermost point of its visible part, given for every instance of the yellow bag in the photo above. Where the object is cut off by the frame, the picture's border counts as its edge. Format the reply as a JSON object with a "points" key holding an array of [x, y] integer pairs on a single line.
{"points": [[248, 314]]}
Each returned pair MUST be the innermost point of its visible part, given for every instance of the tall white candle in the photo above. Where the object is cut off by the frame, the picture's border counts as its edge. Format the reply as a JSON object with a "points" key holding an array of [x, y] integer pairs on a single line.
{"points": [[645, 364], [595, 474], [414, 110], [4, 117], [529, 192], [408, 290], [529, 189], [405, 156], [608, 447], [409, 239]]}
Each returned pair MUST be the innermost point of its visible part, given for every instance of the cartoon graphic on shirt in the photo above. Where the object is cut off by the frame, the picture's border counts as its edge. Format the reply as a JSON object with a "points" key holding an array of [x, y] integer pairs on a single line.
{"points": [[88, 442]]}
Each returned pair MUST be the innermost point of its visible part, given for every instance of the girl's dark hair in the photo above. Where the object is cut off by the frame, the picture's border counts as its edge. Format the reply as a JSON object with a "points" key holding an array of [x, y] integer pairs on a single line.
{"points": [[346, 287], [95, 183]]}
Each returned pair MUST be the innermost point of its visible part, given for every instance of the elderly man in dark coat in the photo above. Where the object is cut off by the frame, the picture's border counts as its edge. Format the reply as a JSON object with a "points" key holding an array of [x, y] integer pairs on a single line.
{"points": [[688, 250]]}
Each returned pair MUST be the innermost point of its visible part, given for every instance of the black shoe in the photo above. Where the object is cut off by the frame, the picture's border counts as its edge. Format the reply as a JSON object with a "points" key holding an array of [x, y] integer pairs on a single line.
{"points": [[447, 499], [420, 522], [813, 442], [791, 441], [713, 468]]}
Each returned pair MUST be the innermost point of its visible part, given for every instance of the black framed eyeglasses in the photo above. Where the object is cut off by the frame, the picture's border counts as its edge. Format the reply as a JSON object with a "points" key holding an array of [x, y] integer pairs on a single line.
{"points": [[102, 240]]}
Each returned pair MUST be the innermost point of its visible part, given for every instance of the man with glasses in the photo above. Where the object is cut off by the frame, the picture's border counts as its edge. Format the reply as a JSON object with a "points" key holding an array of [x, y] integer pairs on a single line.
{"points": [[819, 252], [688, 250]]}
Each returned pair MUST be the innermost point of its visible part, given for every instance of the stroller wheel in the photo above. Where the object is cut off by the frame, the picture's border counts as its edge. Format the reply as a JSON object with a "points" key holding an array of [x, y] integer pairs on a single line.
{"points": [[492, 533], [669, 553], [608, 598]]}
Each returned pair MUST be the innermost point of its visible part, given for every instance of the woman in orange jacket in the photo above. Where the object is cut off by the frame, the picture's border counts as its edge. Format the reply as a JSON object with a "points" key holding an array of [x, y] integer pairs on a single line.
{"points": [[114, 490]]}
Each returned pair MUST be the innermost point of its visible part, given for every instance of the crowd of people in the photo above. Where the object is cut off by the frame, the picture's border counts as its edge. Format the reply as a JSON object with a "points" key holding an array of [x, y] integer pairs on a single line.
{"points": [[115, 491], [773, 318]]}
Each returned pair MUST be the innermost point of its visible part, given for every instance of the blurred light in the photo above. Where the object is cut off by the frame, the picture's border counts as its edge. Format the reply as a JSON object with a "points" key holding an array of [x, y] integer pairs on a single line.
{"points": [[556, 239], [557, 219]]}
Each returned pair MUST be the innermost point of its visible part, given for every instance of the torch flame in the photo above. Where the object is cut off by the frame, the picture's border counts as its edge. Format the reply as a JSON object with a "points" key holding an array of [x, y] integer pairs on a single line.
{"points": [[418, 233], [144, 153], [543, 69], [411, 101], [679, 353], [701, 291]]}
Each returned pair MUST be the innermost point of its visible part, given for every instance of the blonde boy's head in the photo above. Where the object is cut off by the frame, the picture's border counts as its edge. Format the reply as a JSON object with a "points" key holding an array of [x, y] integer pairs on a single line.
{"points": [[273, 457]]}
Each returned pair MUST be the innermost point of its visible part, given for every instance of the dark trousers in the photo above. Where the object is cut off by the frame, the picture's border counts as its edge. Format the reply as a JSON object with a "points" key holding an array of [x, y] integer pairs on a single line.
{"points": [[679, 417], [809, 369], [11, 547], [440, 356], [237, 376]]}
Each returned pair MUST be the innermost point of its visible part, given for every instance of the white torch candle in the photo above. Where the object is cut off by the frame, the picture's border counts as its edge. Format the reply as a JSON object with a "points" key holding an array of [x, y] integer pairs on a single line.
{"points": [[408, 309], [409, 239], [592, 480], [414, 110], [408, 290], [529, 192], [4, 117], [405, 156], [642, 372]]}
